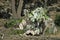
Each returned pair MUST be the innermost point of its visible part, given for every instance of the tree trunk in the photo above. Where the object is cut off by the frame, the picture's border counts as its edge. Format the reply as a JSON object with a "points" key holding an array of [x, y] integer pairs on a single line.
{"points": [[17, 14], [19, 9], [13, 9]]}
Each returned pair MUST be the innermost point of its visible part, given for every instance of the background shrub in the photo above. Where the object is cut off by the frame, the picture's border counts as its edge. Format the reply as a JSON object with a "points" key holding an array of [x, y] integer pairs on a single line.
{"points": [[57, 20]]}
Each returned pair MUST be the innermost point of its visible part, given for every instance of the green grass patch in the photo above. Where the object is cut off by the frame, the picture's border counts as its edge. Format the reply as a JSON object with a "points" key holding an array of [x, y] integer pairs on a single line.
{"points": [[17, 32], [12, 22]]}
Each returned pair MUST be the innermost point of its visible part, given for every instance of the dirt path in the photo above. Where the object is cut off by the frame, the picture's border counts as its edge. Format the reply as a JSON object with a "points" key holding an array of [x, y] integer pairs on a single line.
{"points": [[17, 37]]}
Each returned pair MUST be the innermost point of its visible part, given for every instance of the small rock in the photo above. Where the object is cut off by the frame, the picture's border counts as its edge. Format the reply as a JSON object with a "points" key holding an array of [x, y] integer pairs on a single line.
{"points": [[37, 31], [29, 32], [22, 24]]}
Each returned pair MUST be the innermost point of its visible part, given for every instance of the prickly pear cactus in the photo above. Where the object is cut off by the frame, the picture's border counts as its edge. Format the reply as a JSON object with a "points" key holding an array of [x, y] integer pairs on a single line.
{"points": [[38, 14]]}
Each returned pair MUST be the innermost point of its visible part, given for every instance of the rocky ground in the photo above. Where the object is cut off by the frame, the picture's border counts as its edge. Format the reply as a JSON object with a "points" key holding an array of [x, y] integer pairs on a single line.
{"points": [[5, 33]]}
